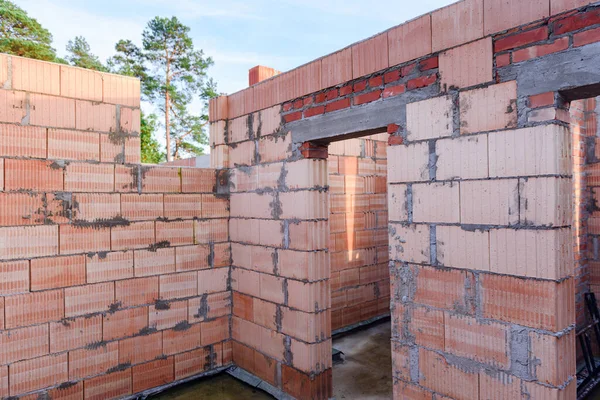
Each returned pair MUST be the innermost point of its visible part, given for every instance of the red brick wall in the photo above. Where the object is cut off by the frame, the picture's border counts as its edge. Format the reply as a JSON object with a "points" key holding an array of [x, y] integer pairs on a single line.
{"points": [[358, 242], [114, 275]]}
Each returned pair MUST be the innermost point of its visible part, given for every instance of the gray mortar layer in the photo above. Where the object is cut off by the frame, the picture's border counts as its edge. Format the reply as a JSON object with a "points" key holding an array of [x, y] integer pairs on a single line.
{"points": [[433, 245], [359, 121], [432, 165]]}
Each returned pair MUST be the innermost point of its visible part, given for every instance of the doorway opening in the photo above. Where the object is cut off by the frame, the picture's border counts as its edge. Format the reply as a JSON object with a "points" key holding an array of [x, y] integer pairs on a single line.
{"points": [[360, 281]]}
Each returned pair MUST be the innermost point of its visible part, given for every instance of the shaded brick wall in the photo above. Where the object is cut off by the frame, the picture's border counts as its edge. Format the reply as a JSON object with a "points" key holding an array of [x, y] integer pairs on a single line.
{"points": [[358, 240], [480, 192], [114, 276]]}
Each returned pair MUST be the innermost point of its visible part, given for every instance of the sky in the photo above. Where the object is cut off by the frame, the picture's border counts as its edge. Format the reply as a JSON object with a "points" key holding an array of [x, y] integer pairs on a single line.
{"points": [[238, 35]]}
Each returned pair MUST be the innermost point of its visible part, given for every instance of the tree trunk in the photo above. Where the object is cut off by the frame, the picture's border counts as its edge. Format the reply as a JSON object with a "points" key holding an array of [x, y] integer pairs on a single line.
{"points": [[167, 127]]}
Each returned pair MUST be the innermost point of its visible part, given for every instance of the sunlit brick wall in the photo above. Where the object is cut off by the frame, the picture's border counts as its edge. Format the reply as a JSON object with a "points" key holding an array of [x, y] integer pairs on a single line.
{"points": [[114, 276], [358, 239]]}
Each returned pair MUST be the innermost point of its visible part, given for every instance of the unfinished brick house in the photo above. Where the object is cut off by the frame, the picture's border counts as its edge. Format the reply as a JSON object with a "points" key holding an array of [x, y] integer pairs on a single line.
{"points": [[444, 171]]}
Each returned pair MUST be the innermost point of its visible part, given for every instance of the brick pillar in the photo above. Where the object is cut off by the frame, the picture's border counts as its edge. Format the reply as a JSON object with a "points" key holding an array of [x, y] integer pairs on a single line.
{"points": [[280, 274], [260, 73], [480, 243]]}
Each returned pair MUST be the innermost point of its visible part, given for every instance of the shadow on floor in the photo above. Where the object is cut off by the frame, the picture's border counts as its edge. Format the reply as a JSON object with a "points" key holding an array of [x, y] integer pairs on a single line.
{"points": [[365, 374]]}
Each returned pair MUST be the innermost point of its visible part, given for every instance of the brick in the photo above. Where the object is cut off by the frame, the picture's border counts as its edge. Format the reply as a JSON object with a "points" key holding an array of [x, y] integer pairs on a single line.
{"points": [[189, 258], [530, 151], [303, 174], [57, 272], [408, 163], [337, 105], [255, 258], [212, 230], [308, 235], [13, 106], [15, 277], [489, 202], [521, 39], [219, 305], [140, 349], [177, 340], [308, 297], [73, 333], [536, 391], [212, 280], [436, 202], [410, 40], [311, 357], [183, 206], [174, 286], [438, 375], [300, 385], [126, 179], [154, 262], [134, 292], [500, 16], [192, 362], [576, 21], [301, 265], [73, 145], [586, 37], [530, 253], [252, 205], [161, 180], [88, 299], [242, 154], [304, 326], [464, 157], [35, 175], [457, 24], [391, 91], [498, 385], [336, 68], [24, 343], [541, 50], [496, 102], [142, 206], [88, 362], [463, 249], [175, 233], [38, 373], [35, 76], [129, 121], [478, 69], [80, 239], [541, 100], [120, 89], [103, 267], [124, 323], [427, 326], [70, 392], [303, 205], [89, 177], [80, 83], [33, 308], [555, 357], [214, 207], [51, 111], [547, 201], [421, 82], [153, 374], [370, 55], [165, 318], [22, 141], [441, 288], [484, 342], [94, 207], [537, 304], [97, 117], [275, 148], [409, 243], [502, 60], [307, 78], [367, 97], [113, 385]]}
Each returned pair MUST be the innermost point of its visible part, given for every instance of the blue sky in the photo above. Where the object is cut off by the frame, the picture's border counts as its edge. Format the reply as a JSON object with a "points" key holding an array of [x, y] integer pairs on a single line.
{"points": [[281, 34]]}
